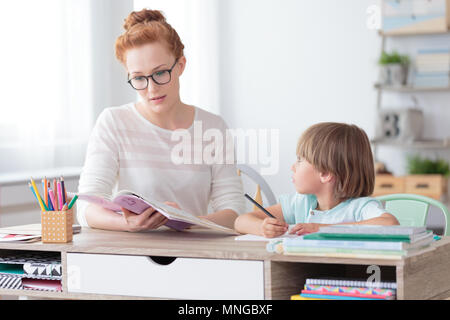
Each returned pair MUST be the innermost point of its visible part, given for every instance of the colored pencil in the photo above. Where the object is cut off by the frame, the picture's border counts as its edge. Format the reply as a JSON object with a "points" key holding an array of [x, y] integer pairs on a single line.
{"points": [[55, 195], [60, 200], [52, 198], [45, 191], [38, 196], [64, 208], [50, 204], [63, 189], [32, 190], [73, 202]]}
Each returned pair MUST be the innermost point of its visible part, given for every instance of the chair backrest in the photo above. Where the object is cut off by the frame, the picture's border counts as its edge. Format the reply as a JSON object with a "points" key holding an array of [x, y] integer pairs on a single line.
{"points": [[412, 209], [261, 185]]}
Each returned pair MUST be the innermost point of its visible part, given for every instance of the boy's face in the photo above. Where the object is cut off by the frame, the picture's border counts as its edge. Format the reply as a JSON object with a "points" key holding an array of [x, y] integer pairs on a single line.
{"points": [[306, 179]]}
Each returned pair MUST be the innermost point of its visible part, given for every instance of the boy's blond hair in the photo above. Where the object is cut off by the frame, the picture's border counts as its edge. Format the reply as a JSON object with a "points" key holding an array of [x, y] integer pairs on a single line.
{"points": [[344, 151]]}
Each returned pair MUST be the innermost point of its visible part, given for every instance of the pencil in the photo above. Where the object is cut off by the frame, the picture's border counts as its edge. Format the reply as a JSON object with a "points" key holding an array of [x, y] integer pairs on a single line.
{"points": [[50, 204], [259, 206], [60, 201], [32, 190], [38, 196], [72, 202], [64, 208], [52, 199], [63, 189], [56, 205], [45, 191]]}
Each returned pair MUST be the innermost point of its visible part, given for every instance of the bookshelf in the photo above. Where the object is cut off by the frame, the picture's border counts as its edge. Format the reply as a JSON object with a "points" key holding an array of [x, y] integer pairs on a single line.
{"points": [[410, 88], [428, 144]]}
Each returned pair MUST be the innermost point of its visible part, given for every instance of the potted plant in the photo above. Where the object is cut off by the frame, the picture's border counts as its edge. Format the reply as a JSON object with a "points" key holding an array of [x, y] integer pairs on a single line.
{"points": [[394, 68], [427, 177]]}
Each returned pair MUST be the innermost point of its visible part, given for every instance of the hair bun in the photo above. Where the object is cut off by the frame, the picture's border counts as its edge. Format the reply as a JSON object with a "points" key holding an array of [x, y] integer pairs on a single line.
{"points": [[145, 15]]}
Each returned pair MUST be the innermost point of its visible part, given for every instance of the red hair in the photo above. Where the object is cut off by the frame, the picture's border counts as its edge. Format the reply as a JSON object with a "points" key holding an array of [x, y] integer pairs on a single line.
{"points": [[147, 26]]}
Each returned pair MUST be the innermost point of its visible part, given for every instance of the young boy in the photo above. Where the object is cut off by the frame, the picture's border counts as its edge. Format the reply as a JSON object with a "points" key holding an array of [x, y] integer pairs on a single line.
{"points": [[333, 176]]}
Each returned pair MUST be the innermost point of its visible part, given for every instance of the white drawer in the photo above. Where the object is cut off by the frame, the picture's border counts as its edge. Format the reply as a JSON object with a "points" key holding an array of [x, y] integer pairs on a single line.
{"points": [[184, 278]]}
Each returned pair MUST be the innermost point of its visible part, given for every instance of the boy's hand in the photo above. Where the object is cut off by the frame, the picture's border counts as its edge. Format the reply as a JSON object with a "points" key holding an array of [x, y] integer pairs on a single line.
{"points": [[271, 228], [305, 228]]}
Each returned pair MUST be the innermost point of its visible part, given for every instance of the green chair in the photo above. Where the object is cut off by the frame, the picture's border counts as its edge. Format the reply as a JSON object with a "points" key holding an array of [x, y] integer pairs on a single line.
{"points": [[412, 209]]}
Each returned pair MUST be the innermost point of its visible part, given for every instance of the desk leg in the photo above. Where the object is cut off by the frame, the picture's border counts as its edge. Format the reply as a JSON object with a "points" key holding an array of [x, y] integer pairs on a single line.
{"points": [[425, 276], [64, 272]]}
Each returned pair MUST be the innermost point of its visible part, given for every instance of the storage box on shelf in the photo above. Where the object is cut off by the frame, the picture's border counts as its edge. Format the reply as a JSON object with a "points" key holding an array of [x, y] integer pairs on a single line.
{"points": [[388, 184], [430, 185]]}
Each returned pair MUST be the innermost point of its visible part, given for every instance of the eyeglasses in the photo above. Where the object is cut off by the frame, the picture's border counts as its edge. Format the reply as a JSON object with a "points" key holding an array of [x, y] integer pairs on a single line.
{"points": [[159, 77]]}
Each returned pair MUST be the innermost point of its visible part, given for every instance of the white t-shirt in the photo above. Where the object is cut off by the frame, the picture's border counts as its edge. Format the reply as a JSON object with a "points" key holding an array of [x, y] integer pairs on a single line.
{"points": [[127, 152]]}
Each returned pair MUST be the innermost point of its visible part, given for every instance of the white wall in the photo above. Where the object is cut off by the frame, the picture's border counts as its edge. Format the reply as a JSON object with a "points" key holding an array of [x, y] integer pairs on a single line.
{"points": [[289, 64]]}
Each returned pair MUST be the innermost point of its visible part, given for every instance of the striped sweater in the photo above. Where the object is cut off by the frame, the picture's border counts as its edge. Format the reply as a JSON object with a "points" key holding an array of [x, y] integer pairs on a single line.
{"points": [[127, 152]]}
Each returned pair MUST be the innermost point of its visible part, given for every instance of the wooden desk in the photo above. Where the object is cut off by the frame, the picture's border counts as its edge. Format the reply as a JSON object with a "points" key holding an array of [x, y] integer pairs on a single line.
{"points": [[424, 275]]}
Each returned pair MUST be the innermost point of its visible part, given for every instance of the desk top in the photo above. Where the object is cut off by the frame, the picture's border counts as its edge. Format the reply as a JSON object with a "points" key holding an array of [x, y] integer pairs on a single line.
{"points": [[198, 243]]}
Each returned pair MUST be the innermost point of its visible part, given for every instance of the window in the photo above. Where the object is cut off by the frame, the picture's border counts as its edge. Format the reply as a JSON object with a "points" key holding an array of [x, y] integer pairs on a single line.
{"points": [[45, 110], [196, 22]]}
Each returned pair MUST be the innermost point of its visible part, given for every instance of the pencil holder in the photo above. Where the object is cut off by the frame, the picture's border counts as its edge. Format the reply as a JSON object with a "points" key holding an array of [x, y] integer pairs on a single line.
{"points": [[57, 226]]}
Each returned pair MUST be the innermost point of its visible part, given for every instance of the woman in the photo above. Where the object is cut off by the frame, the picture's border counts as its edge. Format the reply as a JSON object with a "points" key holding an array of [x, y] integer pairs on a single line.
{"points": [[131, 146]]}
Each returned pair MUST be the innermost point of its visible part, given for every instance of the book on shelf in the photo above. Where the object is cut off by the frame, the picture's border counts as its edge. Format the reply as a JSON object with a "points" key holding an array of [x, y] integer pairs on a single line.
{"points": [[346, 289], [30, 271], [366, 289], [351, 283], [41, 284], [342, 296], [432, 68], [178, 219]]}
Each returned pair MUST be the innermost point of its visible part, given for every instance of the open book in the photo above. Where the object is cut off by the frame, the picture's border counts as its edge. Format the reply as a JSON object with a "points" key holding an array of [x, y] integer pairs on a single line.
{"points": [[178, 219]]}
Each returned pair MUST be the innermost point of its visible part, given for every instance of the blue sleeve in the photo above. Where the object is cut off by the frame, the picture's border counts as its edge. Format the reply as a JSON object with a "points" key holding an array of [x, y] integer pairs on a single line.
{"points": [[295, 207], [287, 202]]}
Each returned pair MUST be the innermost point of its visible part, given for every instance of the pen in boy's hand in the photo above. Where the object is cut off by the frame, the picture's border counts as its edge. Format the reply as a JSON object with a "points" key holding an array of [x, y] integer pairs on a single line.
{"points": [[259, 206]]}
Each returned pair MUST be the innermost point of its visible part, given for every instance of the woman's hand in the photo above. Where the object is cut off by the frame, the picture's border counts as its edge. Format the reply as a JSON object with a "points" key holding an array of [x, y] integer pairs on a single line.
{"points": [[150, 219], [272, 228], [305, 228]]}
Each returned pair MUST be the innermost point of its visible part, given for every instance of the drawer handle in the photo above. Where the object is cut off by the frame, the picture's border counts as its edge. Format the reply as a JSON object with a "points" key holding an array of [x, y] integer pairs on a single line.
{"points": [[163, 261], [422, 185], [386, 185]]}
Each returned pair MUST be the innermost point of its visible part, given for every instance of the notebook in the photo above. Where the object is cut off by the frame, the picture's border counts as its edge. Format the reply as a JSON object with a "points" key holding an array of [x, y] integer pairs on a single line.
{"points": [[178, 219], [252, 237], [372, 229], [26, 233]]}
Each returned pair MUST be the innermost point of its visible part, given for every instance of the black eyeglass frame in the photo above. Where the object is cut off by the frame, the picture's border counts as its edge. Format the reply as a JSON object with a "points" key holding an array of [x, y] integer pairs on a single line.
{"points": [[152, 76]]}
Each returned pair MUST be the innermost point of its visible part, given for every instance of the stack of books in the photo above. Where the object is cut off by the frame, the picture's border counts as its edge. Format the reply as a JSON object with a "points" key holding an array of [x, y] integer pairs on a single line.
{"points": [[356, 241], [331, 289], [24, 270], [432, 68]]}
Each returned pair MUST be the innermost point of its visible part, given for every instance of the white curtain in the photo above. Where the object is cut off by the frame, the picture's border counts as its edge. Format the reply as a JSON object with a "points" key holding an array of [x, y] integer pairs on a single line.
{"points": [[45, 81], [196, 22]]}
